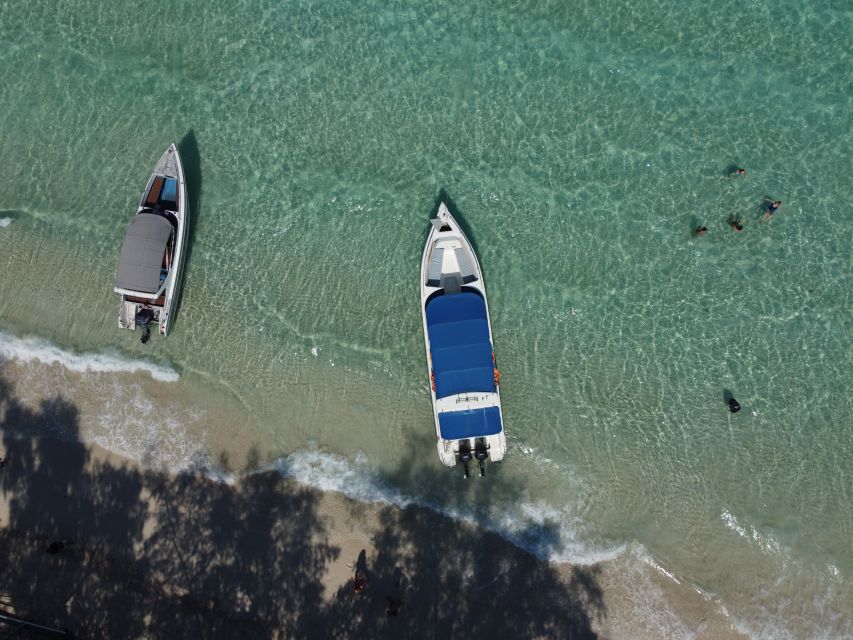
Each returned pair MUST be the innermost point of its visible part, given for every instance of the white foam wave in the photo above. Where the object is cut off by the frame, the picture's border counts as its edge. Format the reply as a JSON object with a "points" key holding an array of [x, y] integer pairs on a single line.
{"points": [[652, 563], [783, 613], [652, 613], [34, 349], [5, 222], [133, 425], [764, 541], [549, 533]]}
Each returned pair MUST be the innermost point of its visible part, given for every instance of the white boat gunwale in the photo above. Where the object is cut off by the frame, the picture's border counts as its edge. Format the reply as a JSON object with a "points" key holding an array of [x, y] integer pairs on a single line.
{"points": [[162, 302], [447, 233]]}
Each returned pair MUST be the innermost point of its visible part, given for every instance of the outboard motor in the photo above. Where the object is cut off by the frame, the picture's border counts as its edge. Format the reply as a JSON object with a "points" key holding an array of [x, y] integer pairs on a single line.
{"points": [[143, 319], [465, 456], [481, 454]]}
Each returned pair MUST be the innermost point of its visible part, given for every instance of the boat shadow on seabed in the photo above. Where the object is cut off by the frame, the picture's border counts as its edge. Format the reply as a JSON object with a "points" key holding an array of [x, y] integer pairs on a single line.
{"points": [[191, 160]]}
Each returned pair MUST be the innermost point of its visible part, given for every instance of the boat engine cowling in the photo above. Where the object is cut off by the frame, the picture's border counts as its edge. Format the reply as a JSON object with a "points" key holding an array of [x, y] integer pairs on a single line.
{"points": [[481, 454], [465, 456]]}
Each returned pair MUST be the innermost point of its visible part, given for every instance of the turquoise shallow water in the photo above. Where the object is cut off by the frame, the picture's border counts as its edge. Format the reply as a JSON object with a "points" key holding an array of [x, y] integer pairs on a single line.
{"points": [[580, 145]]}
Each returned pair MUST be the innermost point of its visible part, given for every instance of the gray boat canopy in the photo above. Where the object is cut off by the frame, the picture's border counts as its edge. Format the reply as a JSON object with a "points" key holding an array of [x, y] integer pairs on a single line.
{"points": [[142, 253]]}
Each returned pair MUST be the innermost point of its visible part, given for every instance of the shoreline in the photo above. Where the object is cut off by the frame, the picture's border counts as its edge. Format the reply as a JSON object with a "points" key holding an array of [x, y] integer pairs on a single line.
{"points": [[172, 551], [149, 553]]}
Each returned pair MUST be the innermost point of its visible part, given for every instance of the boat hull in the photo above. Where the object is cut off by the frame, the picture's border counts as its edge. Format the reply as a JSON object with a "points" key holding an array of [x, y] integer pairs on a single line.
{"points": [[168, 174], [460, 355]]}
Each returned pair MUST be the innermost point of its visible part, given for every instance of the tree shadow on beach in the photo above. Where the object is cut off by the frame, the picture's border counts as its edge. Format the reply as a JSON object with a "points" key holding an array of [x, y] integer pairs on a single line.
{"points": [[107, 550], [435, 576], [145, 554]]}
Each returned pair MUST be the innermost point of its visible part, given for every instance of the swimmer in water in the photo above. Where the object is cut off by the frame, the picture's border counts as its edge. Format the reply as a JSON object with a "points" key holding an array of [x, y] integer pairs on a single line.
{"points": [[738, 171], [700, 231], [734, 405], [772, 207], [735, 224]]}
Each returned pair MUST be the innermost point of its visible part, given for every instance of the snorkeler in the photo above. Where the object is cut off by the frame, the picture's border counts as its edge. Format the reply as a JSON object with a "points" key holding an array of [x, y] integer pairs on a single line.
{"points": [[772, 207]]}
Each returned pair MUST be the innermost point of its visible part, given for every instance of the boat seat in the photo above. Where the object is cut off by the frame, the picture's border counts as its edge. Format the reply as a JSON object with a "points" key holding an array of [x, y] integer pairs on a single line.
{"points": [[170, 190], [451, 284], [434, 273], [473, 423], [154, 193], [465, 265]]}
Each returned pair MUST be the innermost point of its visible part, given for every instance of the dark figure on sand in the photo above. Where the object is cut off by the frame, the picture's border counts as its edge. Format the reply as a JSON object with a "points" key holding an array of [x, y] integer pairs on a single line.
{"points": [[359, 583], [55, 547], [700, 231], [772, 207], [394, 605]]}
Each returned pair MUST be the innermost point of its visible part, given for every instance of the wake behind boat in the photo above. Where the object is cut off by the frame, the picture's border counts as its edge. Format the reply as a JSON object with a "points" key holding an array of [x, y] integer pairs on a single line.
{"points": [[464, 379], [149, 269]]}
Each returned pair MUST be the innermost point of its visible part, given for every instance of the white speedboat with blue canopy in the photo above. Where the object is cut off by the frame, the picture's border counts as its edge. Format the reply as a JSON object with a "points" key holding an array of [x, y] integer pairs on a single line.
{"points": [[464, 379], [149, 268]]}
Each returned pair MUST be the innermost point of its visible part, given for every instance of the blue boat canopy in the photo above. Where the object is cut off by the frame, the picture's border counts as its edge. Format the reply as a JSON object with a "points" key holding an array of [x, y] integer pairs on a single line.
{"points": [[459, 344], [475, 423]]}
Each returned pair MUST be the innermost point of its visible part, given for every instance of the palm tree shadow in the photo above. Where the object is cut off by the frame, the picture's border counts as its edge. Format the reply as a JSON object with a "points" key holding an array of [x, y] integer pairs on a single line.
{"points": [[431, 572], [137, 553]]}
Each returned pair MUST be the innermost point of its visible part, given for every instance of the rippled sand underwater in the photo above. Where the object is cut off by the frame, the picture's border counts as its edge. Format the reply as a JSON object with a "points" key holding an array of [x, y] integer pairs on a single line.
{"points": [[580, 146]]}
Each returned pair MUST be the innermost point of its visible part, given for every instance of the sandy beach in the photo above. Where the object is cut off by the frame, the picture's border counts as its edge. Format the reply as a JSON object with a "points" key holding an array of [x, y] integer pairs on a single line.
{"points": [[148, 554]]}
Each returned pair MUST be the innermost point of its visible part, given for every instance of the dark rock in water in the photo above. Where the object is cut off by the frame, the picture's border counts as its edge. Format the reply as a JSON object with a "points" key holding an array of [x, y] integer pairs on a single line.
{"points": [[734, 406]]}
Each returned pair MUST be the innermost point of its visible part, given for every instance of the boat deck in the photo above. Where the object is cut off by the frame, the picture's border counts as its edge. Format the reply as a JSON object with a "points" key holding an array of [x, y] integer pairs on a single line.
{"points": [[450, 258], [167, 165]]}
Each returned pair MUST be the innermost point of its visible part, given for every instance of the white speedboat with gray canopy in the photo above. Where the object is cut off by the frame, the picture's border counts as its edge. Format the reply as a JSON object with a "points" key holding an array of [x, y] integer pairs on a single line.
{"points": [[464, 379], [152, 256]]}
